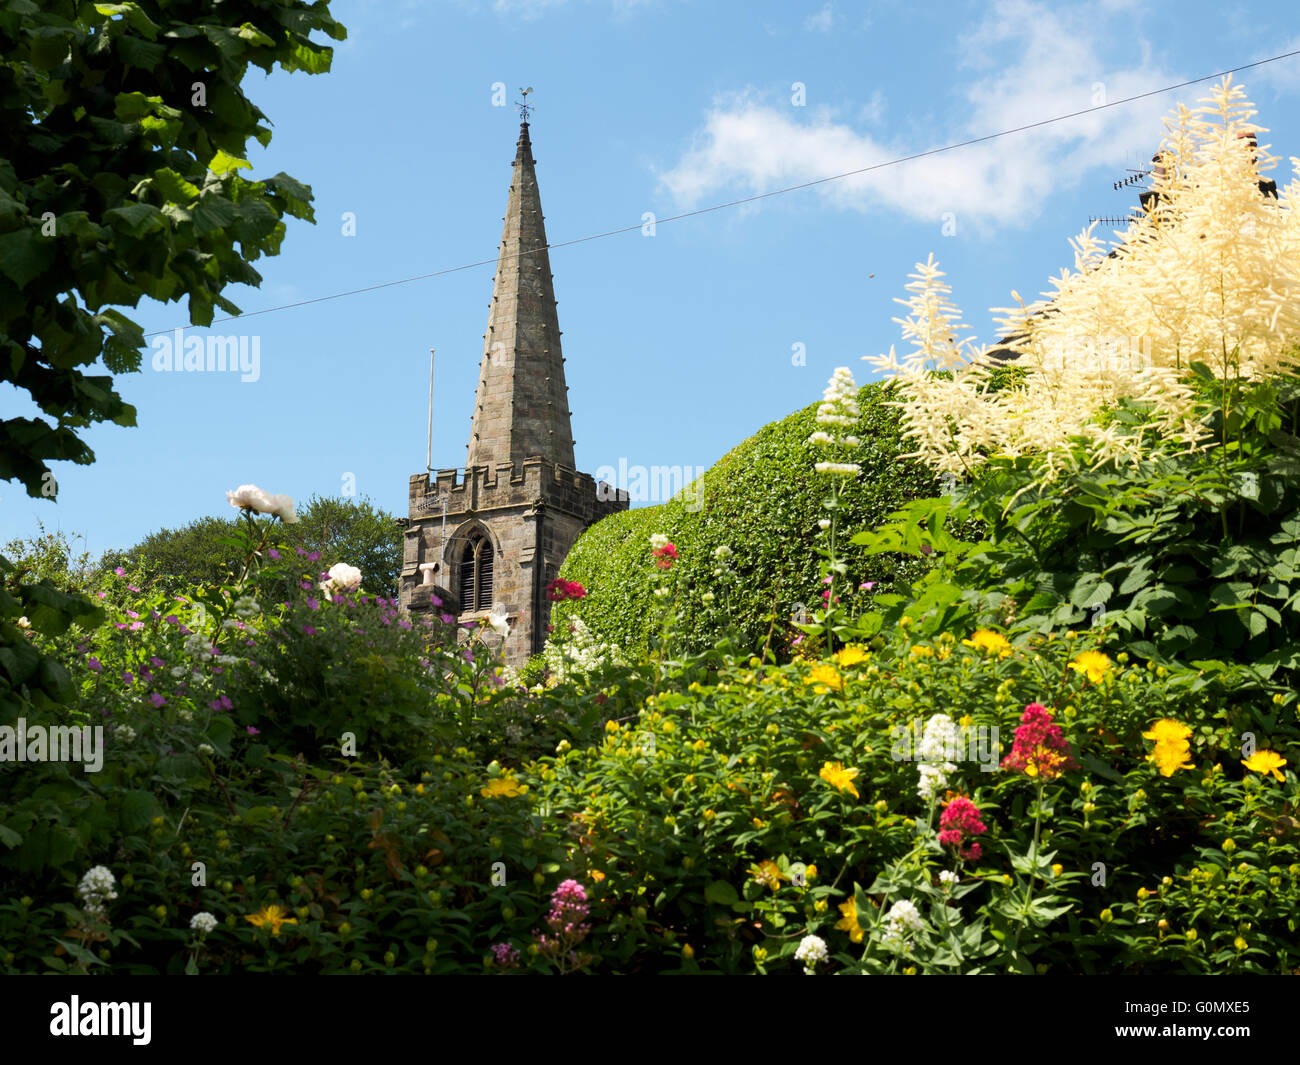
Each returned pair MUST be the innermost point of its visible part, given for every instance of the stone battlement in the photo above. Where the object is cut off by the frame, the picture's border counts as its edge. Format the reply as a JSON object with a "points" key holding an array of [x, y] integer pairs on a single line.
{"points": [[487, 488]]}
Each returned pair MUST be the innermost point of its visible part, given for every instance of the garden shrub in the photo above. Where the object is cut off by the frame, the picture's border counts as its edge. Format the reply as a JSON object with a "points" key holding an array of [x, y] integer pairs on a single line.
{"points": [[763, 501]]}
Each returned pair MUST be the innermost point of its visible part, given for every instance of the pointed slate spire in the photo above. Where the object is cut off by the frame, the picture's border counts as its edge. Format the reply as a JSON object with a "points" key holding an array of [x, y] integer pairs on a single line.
{"points": [[521, 408]]}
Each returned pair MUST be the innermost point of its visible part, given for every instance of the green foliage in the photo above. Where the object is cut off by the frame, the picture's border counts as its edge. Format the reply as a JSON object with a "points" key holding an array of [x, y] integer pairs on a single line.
{"points": [[125, 132], [762, 500], [204, 551], [1184, 557]]}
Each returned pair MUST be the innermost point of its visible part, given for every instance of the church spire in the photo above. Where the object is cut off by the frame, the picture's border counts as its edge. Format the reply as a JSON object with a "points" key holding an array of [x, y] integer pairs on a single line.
{"points": [[521, 407]]}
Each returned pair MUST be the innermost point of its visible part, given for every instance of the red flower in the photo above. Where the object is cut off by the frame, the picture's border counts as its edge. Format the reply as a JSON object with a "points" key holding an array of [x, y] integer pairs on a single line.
{"points": [[1040, 748], [961, 819], [559, 590], [665, 556]]}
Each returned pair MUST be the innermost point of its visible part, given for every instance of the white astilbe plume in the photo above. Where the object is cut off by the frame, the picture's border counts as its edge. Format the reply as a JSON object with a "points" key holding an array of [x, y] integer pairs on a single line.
{"points": [[838, 410], [1209, 273]]}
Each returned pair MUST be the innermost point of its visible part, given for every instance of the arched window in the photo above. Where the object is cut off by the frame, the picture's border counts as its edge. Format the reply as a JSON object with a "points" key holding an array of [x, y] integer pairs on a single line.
{"points": [[476, 573]]}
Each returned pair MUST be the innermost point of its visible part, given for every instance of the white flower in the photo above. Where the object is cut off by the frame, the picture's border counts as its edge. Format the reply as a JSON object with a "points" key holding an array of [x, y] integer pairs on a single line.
{"points": [[821, 437], [246, 607], [948, 878], [844, 469], [250, 497], [227, 660], [206, 748], [901, 920], [938, 746], [812, 950], [823, 523], [203, 923], [179, 671], [657, 541], [342, 578], [184, 715], [96, 888], [23, 623], [125, 733], [198, 646], [282, 508], [499, 621], [721, 552]]}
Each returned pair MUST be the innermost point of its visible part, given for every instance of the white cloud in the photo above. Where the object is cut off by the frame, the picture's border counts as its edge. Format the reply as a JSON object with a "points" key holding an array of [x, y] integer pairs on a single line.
{"points": [[1283, 77], [821, 21], [1030, 62]]}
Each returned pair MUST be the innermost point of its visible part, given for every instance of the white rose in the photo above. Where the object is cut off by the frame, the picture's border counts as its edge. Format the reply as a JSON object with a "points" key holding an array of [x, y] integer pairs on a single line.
{"points": [[250, 497], [497, 619], [342, 577], [282, 508]]}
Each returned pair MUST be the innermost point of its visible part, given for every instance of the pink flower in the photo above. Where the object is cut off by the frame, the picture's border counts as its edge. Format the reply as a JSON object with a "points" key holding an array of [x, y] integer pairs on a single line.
{"points": [[961, 819], [136, 626], [132, 588], [866, 586], [1040, 748], [665, 556], [505, 956], [120, 571], [309, 630], [157, 700], [253, 731]]}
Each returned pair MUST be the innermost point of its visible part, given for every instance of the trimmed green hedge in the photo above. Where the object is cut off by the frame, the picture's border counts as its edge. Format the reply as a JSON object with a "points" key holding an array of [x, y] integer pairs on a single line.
{"points": [[763, 500]]}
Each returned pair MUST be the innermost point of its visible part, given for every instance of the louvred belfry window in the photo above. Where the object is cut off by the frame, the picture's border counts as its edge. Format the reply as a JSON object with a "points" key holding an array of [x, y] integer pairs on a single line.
{"points": [[476, 574]]}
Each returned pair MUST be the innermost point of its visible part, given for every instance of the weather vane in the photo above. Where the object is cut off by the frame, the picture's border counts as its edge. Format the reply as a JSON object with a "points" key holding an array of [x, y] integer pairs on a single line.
{"points": [[523, 105]]}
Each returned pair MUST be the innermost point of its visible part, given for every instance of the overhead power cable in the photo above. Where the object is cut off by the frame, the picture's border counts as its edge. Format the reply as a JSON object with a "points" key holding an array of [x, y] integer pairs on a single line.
{"points": [[757, 196]]}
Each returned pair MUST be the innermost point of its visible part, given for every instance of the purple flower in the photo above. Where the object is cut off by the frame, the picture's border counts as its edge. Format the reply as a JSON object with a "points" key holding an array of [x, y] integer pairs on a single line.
{"points": [[313, 604], [435, 600], [338, 599], [469, 657], [132, 614], [253, 731], [402, 623], [273, 553], [301, 552], [309, 630], [145, 675], [94, 664], [172, 619], [505, 956], [313, 557], [156, 662], [447, 619], [120, 571], [305, 586], [128, 676], [157, 700]]}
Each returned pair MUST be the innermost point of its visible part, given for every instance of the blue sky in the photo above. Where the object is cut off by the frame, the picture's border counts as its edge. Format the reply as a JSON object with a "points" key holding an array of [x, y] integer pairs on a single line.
{"points": [[678, 345]]}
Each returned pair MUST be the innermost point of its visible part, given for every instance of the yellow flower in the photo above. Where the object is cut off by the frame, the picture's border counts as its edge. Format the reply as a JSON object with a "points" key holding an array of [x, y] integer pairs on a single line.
{"points": [[849, 921], [921, 651], [502, 787], [840, 778], [825, 675], [1093, 664], [767, 874], [1266, 761], [850, 656], [1167, 730], [989, 641], [273, 916], [1172, 748]]}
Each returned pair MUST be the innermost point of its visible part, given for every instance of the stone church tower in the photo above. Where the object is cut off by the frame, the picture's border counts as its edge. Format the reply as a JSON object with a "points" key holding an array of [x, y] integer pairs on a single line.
{"points": [[496, 532]]}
